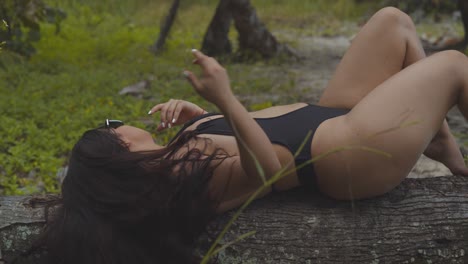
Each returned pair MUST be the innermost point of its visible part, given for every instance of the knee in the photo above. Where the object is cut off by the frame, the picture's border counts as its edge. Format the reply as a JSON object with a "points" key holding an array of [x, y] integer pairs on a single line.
{"points": [[453, 64], [393, 17], [453, 58], [452, 55]]}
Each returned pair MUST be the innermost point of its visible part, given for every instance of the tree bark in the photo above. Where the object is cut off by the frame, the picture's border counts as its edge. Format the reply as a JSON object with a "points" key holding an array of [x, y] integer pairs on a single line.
{"points": [[254, 37], [463, 7], [216, 41], [166, 27], [421, 221]]}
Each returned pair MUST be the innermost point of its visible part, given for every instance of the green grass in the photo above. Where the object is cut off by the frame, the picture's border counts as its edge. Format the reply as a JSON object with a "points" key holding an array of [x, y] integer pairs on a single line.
{"points": [[72, 83], [318, 17]]}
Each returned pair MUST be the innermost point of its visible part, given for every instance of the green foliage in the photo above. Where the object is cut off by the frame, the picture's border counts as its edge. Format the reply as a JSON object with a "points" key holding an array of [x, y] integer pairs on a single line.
{"points": [[71, 84], [22, 20]]}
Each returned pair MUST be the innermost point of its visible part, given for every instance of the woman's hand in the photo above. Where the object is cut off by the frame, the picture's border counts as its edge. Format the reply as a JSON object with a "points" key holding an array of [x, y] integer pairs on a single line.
{"points": [[255, 149], [176, 112], [213, 85]]}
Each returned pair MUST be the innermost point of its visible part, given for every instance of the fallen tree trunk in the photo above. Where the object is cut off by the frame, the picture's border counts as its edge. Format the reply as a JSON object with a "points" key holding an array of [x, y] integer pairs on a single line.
{"points": [[421, 221]]}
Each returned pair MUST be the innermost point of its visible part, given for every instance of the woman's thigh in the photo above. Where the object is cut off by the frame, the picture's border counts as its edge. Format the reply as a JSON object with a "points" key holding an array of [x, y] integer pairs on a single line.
{"points": [[386, 44], [398, 118]]}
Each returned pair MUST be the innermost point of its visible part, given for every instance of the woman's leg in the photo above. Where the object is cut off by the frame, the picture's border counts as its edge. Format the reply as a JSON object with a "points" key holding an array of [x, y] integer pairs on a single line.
{"points": [[422, 93], [384, 46]]}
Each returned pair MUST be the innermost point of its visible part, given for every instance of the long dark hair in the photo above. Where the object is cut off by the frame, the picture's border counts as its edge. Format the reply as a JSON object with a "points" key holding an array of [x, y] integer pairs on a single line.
{"points": [[119, 206]]}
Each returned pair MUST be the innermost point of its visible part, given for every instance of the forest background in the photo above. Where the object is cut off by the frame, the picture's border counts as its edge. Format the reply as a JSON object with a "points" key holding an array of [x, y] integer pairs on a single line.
{"points": [[71, 75]]}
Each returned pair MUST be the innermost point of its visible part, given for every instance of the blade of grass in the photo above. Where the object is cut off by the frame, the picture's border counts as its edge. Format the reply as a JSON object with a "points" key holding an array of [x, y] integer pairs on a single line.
{"points": [[283, 171], [268, 183], [239, 238], [337, 149], [259, 168], [401, 125], [236, 215]]}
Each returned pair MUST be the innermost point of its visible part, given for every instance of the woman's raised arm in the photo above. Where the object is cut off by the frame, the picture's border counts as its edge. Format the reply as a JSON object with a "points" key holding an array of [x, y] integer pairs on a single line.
{"points": [[252, 141]]}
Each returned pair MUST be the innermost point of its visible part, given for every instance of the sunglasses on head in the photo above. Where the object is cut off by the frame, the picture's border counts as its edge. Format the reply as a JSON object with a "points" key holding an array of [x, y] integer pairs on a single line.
{"points": [[112, 123]]}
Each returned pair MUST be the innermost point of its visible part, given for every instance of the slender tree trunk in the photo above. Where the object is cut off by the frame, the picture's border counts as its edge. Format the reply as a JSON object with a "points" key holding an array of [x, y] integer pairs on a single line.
{"points": [[253, 35], [165, 27], [216, 41], [421, 221], [463, 7]]}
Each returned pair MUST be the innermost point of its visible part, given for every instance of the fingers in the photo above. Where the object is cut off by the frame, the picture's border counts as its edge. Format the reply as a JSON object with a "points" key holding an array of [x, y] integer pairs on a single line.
{"points": [[208, 64], [200, 58], [155, 108], [194, 81], [170, 111], [177, 111]]}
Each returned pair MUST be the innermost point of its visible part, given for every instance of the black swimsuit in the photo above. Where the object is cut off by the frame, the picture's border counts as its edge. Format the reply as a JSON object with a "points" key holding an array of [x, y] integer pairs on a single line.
{"points": [[289, 130]]}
